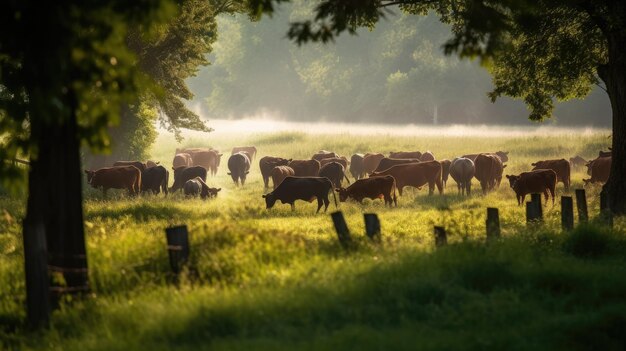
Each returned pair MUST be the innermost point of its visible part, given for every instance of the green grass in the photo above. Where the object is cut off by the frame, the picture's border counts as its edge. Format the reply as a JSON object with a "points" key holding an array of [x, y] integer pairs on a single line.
{"points": [[279, 279]]}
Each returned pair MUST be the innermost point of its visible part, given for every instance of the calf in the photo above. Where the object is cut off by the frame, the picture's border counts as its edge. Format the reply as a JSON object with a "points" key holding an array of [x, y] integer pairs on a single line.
{"points": [[560, 167], [301, 188], [183, 174], [155, 179], [196, 186], [383, 187], [462, 171], [267, 164], [305, 168], [239, 167], [356, 166], [416, 175], [279, 173], [335, 172], [539, 181], [387, 163], [123, 177]]}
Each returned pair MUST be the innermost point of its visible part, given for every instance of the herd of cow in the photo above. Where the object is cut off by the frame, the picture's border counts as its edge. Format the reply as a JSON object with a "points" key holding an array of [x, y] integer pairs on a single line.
{"points": [[376, 176]]}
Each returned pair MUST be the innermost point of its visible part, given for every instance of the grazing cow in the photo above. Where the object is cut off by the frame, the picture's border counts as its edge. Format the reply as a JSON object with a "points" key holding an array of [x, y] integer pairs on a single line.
{"points": [[239, 166], [445, 171], [335, 172], [356, 166], [372, 188], [539, 181], [183, 174], [416, 175], [305, 168], [427, 156], [577, 162], [371, 161], [387, 163], [406, 154], [155, 179], [140, 165], [344, 161], [196, 186], [462, 171], [122, 177], [279, 173], [488, 171], [599, 169], [250, 150], [560, 167], [504, 156], [150, 164], [301, 188], [322, 154], [182, 160], [267, 164]]}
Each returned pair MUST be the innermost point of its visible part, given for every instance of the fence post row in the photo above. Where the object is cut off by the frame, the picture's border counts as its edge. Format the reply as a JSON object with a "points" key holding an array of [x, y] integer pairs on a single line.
{"points": [[567, 213], [372, 226], [441, 238], [177, 246], [581, 205], [343, 233], [493, 223]]}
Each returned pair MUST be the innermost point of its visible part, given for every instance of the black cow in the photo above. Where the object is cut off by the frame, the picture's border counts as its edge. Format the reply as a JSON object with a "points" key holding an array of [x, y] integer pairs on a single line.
{"points": [[155, 179], [301, 188], [183, 174], [239, 167]]}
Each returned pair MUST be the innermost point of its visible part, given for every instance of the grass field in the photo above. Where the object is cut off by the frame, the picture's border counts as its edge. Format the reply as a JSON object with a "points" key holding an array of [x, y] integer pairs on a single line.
{"points": [[279, 279]]}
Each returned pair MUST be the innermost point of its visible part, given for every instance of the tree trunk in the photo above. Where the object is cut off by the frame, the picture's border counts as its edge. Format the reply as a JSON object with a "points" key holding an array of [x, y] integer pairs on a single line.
{"points": [[55, 199], [614, 76]]}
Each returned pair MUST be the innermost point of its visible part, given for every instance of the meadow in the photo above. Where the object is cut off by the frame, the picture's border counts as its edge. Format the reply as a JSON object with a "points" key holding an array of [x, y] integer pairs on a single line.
{"points": [[279, 279]]}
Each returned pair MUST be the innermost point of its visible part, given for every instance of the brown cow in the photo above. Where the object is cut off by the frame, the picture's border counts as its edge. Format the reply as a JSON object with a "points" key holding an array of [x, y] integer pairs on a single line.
{"points": [[539, 181], [250, 150], [406, 154], [267, 164], [279, 173], [357, 168], [488, 171], [214, 161], [372, 188], [427, 156], [335, 172], [140, 165], [305, 168], [445, 171], [204, 158], [344, 161], [301, 188], [387, 163], [599, 169], [322, 154], [416, 175], [371, 161], [560, 167], [504, 156], [123, 177], [577, 162], [182, 160]]}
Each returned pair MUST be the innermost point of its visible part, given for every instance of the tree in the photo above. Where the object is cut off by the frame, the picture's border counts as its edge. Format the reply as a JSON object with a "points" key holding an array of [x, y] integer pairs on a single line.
{"points": [[65, 69], [536, 50]]}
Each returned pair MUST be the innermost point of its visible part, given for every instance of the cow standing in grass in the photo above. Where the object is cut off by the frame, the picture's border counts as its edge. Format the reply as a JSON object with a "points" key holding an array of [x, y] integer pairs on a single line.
{"points": [[416, 175], [383, 187], [239, 167], [539, 181], [123, 177], [356, 166], [183, 174], [267, 164], [301, 188], [560, 167], [462, 171]]}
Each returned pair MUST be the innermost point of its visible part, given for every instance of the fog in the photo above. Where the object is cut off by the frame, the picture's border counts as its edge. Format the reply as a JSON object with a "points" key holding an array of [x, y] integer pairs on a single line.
{"points": [[394, 74]]}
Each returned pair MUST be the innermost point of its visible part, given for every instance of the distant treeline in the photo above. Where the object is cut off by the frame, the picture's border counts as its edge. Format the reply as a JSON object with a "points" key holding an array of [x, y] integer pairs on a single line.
{"points": [[395, 73]]}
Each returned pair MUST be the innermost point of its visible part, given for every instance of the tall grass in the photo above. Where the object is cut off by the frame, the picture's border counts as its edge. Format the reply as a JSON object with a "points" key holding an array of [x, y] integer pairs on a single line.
{"points": [[279, 279]]}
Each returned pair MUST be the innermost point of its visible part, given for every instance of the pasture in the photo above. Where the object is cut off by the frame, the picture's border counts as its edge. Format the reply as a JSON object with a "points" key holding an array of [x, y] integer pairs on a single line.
{"points": [[280, 280]]}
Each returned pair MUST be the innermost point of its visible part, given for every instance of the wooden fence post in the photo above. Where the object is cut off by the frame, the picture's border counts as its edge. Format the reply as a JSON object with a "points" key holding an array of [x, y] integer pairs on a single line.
{"points": [[493, 223], [532, 214], [177, 246], [343, 233], [536, 199], [581, 205], [372, 226], [441, 238], [567, 213]]}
